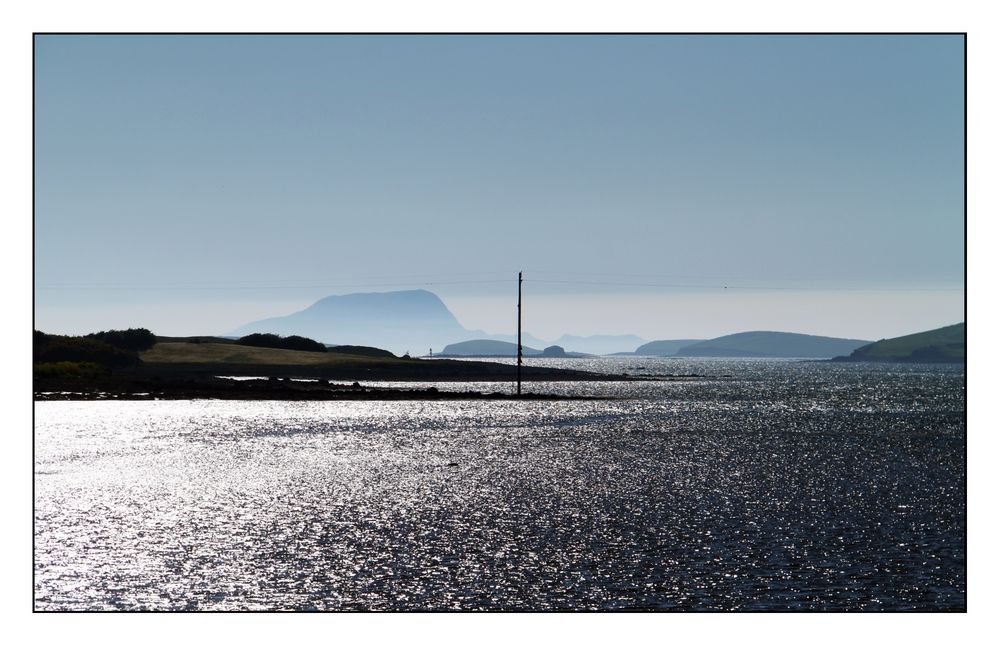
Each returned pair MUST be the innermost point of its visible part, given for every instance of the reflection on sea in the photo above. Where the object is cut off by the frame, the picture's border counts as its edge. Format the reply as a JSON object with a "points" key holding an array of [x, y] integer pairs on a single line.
{"points": [[759, 485]]}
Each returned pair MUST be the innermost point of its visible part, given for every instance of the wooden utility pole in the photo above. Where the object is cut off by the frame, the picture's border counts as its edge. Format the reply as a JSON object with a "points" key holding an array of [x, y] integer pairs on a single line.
{"points": [[519, 354]]}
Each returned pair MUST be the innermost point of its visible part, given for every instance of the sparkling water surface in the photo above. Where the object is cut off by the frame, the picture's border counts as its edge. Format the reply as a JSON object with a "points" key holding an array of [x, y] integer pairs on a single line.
{"points": [[757, 485]]}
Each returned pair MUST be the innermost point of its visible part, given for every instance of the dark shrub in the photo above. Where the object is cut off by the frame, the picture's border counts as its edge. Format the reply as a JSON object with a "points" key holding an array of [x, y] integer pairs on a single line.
{"points": [[70, 348], [68, 369], [135, 339], [262, 340], [361, 350], [302, 343]]}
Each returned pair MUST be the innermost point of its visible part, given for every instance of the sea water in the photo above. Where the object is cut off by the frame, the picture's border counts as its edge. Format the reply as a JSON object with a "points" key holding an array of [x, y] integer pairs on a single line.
{"points": [[727, 485]]}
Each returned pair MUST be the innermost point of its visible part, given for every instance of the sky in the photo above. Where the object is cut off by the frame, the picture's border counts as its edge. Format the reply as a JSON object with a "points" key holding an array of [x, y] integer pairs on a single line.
{"points": [[664, 186]]}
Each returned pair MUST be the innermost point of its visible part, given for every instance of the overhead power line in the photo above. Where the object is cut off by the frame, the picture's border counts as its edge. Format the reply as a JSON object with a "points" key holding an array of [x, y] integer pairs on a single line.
{"points": [[750, 287], [265, 286], [284, 284]]}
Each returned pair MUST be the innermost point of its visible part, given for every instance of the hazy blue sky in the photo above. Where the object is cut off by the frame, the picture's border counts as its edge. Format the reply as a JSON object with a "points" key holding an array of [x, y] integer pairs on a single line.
{"points": [[192, 184]]}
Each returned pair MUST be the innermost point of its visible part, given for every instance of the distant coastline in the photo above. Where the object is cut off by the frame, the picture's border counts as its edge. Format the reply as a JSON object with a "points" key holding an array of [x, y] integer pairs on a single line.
{"points": [[269, 389], [942, 345]]}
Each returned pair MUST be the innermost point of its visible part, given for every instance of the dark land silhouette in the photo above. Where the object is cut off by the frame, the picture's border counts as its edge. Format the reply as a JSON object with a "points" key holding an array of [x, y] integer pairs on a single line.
{"points": [[555, 352], [182, 368], [293, 342], [135, 363], [100, 350]]}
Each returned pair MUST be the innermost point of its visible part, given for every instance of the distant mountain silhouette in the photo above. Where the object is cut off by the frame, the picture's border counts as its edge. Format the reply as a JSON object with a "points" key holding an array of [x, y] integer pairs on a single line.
{"points": [[943, 345], [665, 348], [404, 321], [771, 344]]}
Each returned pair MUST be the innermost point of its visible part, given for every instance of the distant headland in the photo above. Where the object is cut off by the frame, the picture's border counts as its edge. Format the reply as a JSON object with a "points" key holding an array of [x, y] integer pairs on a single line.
{"points": [[943, 345], [418, 322]]}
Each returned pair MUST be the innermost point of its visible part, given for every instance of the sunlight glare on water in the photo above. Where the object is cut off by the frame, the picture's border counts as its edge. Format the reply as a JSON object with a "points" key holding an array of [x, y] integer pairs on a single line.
{"points": [[756, 485]]}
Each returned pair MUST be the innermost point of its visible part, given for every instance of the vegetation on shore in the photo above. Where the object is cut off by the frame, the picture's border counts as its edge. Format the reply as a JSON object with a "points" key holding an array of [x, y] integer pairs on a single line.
{"points": [[132, 339], [361, 351], [55, 354], [293, 342], [301, 343]]}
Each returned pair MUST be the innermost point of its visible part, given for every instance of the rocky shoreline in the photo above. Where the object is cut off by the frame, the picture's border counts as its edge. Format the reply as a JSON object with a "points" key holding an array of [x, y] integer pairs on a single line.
{"points": [[270, 389]]}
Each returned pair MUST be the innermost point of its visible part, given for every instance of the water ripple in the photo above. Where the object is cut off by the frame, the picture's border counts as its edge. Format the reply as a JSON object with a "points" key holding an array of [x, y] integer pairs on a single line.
{"points": [[781, 486]]}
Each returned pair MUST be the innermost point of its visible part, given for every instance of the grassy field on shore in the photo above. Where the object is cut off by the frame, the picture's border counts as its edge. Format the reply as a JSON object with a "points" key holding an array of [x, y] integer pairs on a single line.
{"points": [[229, 353], [173, 358], [180, 370]]}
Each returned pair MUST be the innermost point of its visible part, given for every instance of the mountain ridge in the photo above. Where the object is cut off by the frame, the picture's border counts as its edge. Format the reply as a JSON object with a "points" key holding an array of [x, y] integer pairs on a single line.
{"points": [[418, 321], [400, 321]]}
